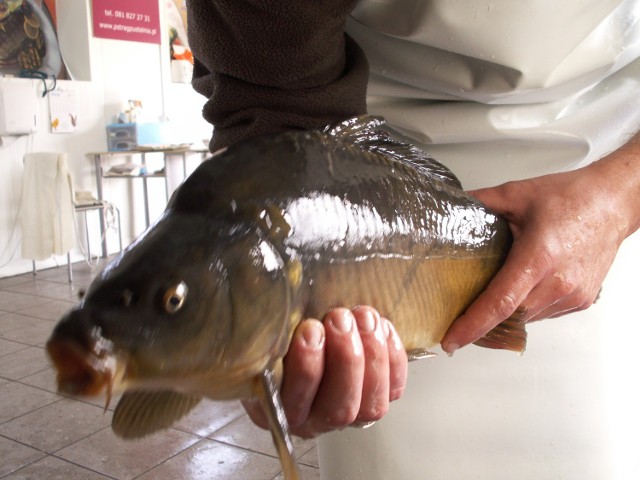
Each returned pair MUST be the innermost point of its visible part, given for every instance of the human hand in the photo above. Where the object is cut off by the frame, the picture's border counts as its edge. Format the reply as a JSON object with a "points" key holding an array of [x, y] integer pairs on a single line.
{"points": [[345, 369], [567, 228]]}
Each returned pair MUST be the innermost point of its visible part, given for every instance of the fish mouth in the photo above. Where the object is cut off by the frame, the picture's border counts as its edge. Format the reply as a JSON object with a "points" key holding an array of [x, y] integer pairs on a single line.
{"points": [[85, 371]]}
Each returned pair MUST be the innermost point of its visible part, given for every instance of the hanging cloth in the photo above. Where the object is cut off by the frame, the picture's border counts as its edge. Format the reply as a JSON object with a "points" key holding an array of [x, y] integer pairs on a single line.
{"points": [[47, 206]]}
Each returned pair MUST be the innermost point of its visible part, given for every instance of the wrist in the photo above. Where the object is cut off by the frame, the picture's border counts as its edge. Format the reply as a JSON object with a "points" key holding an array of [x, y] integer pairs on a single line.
{"points": [[619, 175]]}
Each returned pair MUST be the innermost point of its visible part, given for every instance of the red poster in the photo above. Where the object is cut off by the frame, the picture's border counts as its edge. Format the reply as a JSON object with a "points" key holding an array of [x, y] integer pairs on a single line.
{"points": [[137, 21]]}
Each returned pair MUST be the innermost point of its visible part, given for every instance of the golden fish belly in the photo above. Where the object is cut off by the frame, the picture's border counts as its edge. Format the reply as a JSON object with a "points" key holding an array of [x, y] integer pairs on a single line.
{"points": [[422, 297]]}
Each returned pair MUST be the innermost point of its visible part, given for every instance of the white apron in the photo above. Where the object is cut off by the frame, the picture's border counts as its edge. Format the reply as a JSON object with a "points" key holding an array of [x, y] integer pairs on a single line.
{"points": [[504, 90]]}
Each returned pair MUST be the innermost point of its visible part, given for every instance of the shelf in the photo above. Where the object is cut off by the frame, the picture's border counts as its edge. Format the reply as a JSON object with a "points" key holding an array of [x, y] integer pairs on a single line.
{"points": [[124, 175], [166, 151]]}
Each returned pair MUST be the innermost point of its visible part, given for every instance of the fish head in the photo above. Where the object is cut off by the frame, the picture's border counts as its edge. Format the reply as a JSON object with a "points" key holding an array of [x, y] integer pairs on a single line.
{"points": [[191, 306]]}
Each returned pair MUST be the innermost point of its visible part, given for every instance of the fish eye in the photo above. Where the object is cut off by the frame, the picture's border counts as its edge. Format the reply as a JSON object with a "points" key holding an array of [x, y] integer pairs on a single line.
{"points": [[174, 297]]}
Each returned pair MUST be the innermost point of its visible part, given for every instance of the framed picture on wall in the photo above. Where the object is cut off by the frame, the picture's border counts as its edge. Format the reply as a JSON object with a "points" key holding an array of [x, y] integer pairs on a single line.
{"points": [[28, 39], [181, 56]]}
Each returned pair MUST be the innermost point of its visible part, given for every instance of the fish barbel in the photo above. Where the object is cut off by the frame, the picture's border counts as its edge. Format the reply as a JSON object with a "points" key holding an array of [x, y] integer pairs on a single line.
{"points": [[262, 235]]}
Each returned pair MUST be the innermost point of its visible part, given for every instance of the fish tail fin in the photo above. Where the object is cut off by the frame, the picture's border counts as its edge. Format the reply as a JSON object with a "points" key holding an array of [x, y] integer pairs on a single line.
{"points": [[509, 335]]}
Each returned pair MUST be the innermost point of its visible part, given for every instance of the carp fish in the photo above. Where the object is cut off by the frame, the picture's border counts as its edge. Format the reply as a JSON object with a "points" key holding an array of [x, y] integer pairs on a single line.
{"points": [[268, 232]]}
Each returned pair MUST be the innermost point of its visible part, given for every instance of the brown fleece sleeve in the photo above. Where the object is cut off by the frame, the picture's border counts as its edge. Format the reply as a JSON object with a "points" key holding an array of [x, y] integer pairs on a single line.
{"points": [[272, 65]]}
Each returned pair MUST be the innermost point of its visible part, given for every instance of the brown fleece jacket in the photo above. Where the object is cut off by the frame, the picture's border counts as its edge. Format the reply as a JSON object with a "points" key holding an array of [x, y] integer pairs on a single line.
{"points": [[273, 65]]}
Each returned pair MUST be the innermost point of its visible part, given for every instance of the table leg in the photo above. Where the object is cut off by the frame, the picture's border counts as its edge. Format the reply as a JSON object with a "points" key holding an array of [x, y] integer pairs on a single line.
{"points": [[103, 226]]}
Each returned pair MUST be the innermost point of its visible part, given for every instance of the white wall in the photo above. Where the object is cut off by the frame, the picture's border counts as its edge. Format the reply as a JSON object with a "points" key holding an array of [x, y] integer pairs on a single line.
{"points": [[113, 72]]}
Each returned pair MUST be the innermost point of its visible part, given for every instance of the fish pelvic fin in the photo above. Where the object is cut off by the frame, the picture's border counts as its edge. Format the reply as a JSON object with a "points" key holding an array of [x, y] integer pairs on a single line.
{"points": [[269, 396], [509, 335], [420, 354], [140, 413]]}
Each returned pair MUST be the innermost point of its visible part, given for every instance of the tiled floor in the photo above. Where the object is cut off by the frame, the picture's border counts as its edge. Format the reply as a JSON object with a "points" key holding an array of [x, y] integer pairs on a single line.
{"points": [[44, 435]]}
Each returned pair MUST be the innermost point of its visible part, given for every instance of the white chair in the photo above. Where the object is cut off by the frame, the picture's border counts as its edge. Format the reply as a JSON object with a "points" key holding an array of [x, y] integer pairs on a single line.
{"points": [[49, 207]]}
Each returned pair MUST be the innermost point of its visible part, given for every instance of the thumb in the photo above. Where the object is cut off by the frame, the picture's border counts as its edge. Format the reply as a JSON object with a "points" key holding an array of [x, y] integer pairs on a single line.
{"points": [[492, 197]]}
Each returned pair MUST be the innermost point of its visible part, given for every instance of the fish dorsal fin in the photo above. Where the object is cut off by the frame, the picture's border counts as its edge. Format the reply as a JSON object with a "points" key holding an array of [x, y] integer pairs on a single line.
{"points": [[140, 413], [369, 133], [269, 396], [509, 335], [352, 128]]}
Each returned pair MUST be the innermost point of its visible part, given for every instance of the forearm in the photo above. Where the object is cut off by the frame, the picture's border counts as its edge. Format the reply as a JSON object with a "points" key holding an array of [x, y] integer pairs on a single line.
{"points": [[269, 65], [618, 175]]}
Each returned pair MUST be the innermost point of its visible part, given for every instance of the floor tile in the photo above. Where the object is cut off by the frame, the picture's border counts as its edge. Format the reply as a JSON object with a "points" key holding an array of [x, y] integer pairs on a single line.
{"points": [[43, 288], [57, 425], [306, 473], [7, 347], [12, 302], [82, 275], [209, 460], [47, 273], [23, 363], [18, 399], [46, 380], [15, 456], [62, 291], [243, 433], [310, 458], [210, 416], [101, 401], [52, 468], [10, 321], [33, 331], [52, 311], [103, 452], [7, 282]]}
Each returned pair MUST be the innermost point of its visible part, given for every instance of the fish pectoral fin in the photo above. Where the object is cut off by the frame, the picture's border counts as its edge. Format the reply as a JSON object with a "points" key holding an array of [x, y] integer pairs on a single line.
{"points": [[420, 354], [140, 413], [509, 335], [269, 396]]}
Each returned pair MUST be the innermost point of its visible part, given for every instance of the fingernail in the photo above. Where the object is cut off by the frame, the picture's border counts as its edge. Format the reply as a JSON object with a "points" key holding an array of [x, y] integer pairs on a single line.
{"points": [[343, 321], [451, 348], [312, 336], [366, 322], [392, 335], [386, 326]]}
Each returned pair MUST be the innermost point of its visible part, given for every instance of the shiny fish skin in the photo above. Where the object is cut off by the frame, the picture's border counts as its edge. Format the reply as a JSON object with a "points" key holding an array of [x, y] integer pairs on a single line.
{"points": [[362, 224], [260, 236]]}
